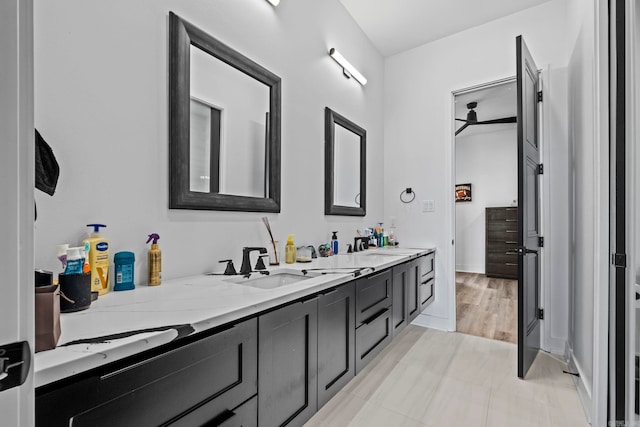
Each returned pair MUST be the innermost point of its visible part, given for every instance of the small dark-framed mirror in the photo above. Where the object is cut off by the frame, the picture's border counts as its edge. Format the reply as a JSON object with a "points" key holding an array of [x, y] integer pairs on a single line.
{"points": [[345, 191], [224, 126]]}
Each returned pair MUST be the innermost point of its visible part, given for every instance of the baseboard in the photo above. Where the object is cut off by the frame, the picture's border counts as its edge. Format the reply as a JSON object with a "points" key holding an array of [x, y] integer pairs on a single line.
{"points": [[433, 322], [555, 346], [469, 269], [584, 390]]}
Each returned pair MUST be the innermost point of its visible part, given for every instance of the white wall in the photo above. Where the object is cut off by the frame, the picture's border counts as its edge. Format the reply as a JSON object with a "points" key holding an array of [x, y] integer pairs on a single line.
{"points": [[489, 161], [419, 133], [101, 103], [589, 171]]}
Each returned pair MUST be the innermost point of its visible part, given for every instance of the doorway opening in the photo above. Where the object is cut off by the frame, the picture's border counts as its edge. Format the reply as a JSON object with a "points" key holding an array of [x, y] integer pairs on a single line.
{"points": [[486, 211]]}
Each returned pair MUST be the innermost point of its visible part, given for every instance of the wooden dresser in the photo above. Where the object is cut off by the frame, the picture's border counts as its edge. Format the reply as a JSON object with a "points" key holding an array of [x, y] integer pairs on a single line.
{"points": [[501, 259]]}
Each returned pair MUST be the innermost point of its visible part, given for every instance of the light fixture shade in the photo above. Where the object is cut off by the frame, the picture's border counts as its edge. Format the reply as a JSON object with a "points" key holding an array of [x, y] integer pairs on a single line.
{"points": [[274, 2], [347, 67]]}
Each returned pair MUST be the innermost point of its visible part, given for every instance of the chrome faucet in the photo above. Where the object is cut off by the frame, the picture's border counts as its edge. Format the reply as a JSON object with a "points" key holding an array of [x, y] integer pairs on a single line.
{"points": [[245, 268]]}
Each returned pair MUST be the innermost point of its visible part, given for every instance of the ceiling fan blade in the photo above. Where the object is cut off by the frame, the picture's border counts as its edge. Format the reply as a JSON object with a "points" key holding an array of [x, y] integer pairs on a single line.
{"points": [[463, 127], [494, 121], [462, 120]]}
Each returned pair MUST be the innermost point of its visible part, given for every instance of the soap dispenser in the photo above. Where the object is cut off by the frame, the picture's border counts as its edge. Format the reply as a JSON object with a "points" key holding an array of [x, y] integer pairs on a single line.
{"points": [[334, 243], [290, 250]]}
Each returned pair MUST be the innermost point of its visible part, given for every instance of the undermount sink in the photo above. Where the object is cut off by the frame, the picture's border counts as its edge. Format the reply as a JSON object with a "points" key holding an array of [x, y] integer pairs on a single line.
{"points": [[274, 279]]}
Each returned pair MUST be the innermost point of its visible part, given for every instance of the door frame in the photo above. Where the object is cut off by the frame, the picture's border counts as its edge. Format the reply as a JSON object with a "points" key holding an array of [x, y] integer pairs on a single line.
{"points": [[544, 203], [17, 188]]}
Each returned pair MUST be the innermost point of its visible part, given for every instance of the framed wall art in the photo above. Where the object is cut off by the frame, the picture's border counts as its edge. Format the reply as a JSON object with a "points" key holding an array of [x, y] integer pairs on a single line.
{"points": [[463, 193]]}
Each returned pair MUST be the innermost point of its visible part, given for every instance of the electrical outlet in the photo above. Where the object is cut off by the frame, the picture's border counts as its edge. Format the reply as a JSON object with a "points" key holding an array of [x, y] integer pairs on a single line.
{"points": [[428, 206], [393, 221]]}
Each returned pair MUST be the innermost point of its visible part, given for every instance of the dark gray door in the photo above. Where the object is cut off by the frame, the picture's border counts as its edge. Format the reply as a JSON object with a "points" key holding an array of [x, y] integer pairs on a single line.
{"points": [[336, 340], [529, 209]]}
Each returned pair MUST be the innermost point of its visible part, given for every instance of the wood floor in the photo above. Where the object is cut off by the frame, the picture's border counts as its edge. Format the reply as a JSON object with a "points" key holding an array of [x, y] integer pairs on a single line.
{"points": [[429, 378], [487, 307]]}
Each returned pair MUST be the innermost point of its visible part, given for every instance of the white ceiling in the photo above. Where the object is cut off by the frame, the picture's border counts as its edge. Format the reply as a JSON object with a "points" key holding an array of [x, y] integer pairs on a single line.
{"points": [[394, 26], [494, 102]]}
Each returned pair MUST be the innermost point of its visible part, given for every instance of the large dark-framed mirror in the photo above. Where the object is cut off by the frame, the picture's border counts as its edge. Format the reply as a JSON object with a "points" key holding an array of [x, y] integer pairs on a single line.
{"points": [[345, 191], [224, 125]]}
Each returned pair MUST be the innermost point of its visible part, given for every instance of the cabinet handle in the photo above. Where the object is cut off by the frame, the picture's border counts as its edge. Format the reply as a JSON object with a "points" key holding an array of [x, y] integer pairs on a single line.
{"points": [[511, 231], [332, 291], [225, 416], [375, 316], [509, 242], [431, 279], [509, 263], [511, 220], [309, 300]]}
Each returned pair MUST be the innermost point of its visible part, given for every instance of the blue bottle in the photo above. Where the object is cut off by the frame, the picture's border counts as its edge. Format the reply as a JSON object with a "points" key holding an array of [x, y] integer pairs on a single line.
{"points": [[334, 243], [124, 262]]}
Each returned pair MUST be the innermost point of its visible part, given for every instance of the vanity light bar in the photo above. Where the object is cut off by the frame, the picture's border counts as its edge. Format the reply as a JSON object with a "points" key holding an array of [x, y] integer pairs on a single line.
{"points": [[348, 69], [274, 2]]}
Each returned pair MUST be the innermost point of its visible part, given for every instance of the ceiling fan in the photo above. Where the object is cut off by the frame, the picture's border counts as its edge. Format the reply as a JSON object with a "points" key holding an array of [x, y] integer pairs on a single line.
{"points": [[472, 119]]}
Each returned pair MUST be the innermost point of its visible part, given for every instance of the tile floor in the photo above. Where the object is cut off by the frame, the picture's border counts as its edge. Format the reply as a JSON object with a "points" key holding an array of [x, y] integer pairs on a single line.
{"points": [[429, 378]]}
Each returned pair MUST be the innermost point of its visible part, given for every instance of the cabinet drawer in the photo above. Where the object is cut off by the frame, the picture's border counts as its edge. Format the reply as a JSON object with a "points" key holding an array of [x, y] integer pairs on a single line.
{"points": [[426, 292], [427, 264], [245, 415], [219, 371], [372, 337], [373, 293]]}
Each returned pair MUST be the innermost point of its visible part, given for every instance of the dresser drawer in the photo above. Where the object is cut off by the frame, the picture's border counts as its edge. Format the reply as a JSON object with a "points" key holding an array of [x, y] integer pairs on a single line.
{"points": [[503, 270], [497, 214]]}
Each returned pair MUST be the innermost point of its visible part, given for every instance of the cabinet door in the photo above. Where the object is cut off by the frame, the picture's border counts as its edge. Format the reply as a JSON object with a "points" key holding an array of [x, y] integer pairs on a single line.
{"points": [[399, 284], [336, 341], [218, 371], [287, 365], [413, 289]]}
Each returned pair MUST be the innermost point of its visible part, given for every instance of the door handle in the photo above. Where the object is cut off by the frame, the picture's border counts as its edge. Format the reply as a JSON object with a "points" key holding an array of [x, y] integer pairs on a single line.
{"points": [[15, 361], [523, 250]]}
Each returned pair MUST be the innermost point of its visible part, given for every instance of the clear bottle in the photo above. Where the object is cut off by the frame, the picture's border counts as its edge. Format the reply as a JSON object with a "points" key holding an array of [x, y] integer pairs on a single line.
{"points": [[290, 250]]}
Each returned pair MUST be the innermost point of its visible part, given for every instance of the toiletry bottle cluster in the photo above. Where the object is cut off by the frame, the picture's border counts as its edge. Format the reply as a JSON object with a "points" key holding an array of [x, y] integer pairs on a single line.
{"points": [[380, 237], [92, 258]]}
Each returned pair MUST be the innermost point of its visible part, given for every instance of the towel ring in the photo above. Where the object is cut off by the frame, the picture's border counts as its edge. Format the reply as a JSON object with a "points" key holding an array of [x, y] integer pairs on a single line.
{"points": [[408, 191]]}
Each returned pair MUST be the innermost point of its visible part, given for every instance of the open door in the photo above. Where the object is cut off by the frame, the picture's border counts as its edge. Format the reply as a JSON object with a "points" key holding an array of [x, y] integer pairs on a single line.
{"points": [[529, 169], [16, 186]]}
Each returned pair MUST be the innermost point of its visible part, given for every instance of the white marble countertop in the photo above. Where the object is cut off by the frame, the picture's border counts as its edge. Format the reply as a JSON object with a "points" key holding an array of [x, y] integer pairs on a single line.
{"points": [[197, 302]]}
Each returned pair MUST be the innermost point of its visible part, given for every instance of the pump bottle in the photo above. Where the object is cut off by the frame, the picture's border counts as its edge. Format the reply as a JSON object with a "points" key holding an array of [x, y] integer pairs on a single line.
{"points": [[334, 243], [154, 277]]}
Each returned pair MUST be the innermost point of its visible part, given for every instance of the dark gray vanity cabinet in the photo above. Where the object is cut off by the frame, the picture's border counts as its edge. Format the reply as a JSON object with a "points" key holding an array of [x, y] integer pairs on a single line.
{"points": [[400, 286], [210, 380], [287, 364], [428, 280], [336, 340], [413, 288], [373, 316]]}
